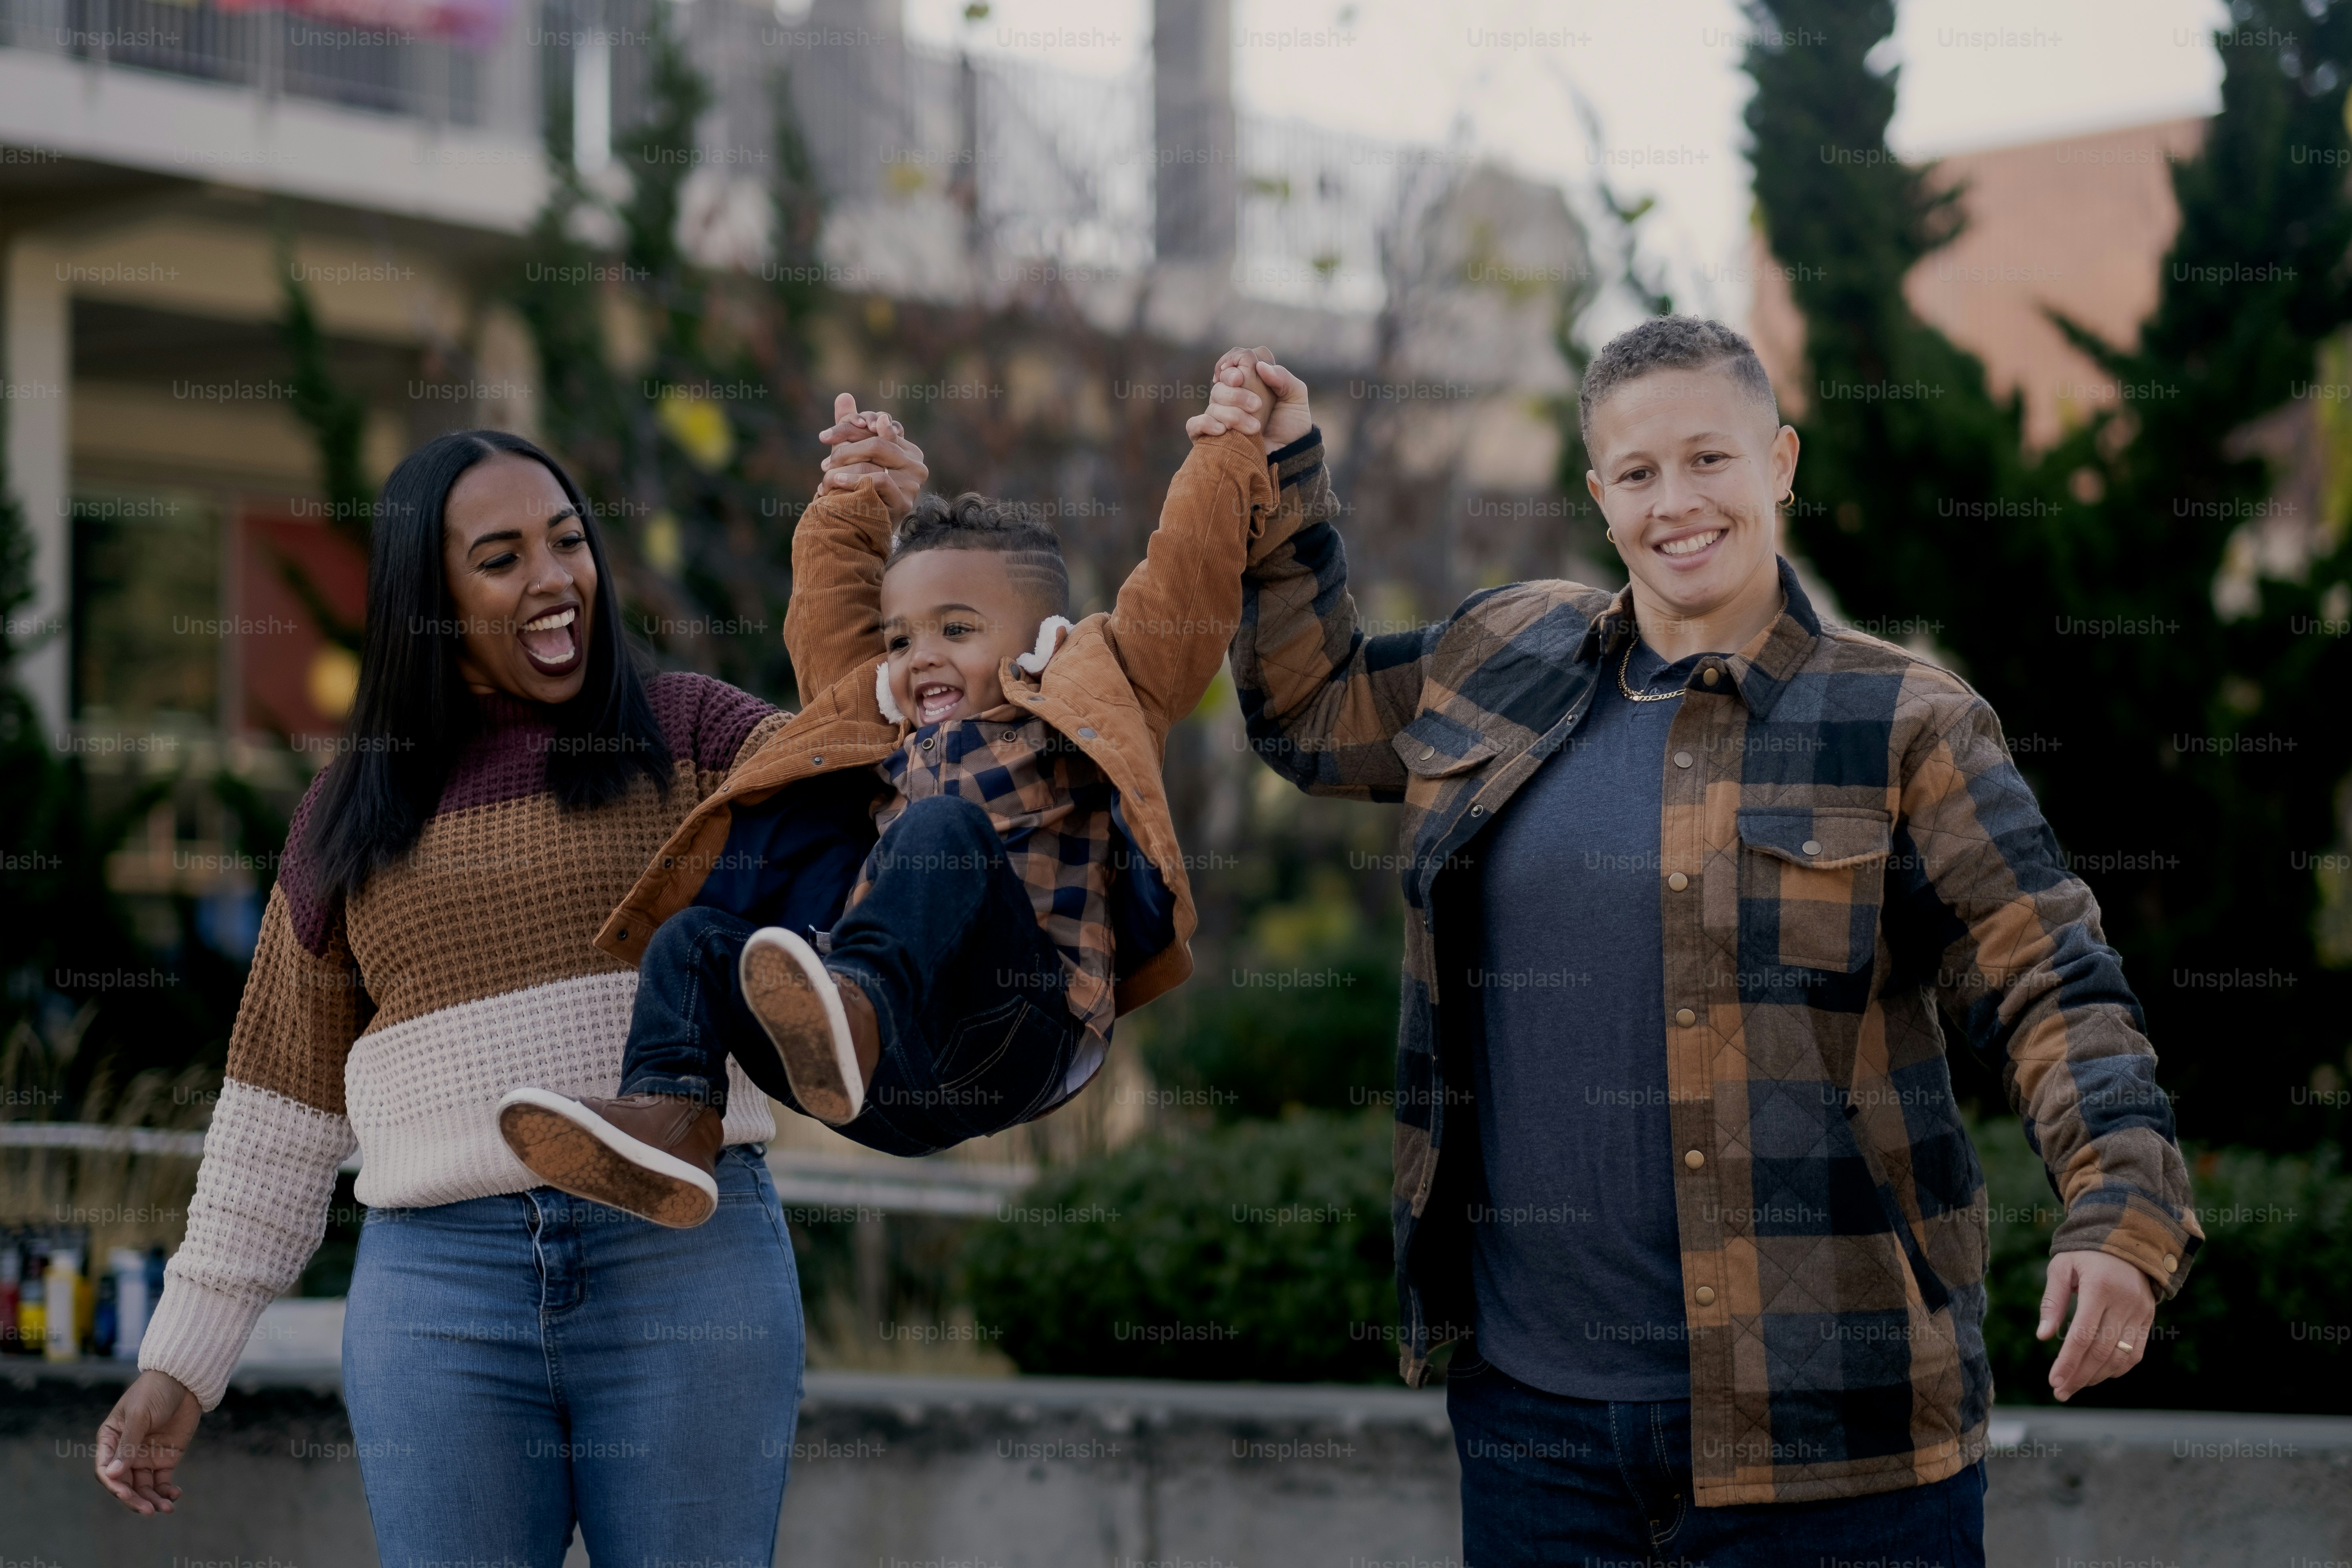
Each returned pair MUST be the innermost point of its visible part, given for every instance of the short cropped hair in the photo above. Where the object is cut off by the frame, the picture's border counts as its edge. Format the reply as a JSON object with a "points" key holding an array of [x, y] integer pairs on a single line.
{"points": [[1033, 554], [1672, 342]]}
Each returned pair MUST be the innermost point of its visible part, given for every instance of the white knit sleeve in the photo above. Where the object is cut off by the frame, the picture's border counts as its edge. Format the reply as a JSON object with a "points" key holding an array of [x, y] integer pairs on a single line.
{"points": [[260, 1209]]}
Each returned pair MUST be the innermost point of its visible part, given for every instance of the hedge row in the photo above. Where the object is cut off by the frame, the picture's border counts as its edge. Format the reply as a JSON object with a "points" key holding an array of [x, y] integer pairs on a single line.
{"points": [[1259, 1249]]}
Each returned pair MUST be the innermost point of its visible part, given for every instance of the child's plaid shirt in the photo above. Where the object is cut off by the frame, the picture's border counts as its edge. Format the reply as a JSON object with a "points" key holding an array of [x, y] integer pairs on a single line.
{"points": [[1050, 804]]}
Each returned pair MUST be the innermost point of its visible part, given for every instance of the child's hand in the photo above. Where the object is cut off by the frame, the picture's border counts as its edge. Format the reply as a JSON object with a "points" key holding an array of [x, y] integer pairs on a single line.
{"points": [[1238, 400], [871, 444], [1248, 384]]}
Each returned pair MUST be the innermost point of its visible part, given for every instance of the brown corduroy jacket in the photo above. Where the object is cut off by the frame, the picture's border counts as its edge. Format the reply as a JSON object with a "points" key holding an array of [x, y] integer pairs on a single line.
{"points": [[1120, 681]]}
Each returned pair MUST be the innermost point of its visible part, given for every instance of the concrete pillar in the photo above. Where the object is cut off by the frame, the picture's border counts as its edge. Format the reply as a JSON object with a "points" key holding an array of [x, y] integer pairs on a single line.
{"points": [[508, 75], [592, 106], [1196, 182], [39, 384]]}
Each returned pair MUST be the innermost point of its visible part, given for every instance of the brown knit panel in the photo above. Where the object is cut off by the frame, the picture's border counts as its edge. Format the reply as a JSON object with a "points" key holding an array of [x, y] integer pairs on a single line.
{"points": [[498, 898], [710, 779], [299, 1014], [760, 735]]}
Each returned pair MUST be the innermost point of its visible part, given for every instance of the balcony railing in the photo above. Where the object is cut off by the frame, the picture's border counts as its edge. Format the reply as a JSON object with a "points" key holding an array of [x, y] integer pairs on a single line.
{"points": [[277, 54], [1046, 165]]}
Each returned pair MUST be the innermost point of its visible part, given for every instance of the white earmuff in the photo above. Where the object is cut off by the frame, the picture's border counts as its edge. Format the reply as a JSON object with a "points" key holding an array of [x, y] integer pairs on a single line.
{"points": [[882, 693], [1049, 640]]}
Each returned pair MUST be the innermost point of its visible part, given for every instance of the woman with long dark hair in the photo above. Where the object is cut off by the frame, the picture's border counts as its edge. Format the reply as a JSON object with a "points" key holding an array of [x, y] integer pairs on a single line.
{"points": [[514, 1360]]}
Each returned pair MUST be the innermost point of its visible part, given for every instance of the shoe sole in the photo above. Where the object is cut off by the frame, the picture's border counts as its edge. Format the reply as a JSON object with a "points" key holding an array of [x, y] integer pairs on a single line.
{"points": [[570, 1147], [787, 989]]}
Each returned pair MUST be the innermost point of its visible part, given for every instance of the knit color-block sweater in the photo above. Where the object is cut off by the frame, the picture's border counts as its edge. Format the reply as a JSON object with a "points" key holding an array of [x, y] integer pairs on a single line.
{"points": [[393, 1021]]}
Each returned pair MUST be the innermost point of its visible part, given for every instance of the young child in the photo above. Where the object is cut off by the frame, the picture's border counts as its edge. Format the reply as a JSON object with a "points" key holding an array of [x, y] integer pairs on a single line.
{"points": [[1023, 885]]}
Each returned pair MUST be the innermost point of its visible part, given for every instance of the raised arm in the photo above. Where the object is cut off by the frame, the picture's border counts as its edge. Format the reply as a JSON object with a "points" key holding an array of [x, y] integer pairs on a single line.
{"points": [[1323, 699], [1178, 610], [832, 625]]}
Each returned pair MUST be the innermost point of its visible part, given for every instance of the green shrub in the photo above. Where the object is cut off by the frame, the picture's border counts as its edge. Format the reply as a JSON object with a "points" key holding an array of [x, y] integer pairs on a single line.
{"points": [[1255, 1250], [2261, 1324], [1243, 1048]]}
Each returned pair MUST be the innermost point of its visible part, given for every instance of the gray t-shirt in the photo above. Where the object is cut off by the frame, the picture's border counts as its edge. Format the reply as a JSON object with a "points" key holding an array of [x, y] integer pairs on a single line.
{"points": [[1577, 1260]]}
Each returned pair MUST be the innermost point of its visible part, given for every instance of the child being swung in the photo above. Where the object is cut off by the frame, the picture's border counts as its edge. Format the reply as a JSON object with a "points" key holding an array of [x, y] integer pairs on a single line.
{"points": [[1023, 886]]}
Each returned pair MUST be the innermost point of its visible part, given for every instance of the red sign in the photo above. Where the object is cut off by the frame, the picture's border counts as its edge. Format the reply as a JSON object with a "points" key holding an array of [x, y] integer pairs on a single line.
{"points": [[475, 22]]}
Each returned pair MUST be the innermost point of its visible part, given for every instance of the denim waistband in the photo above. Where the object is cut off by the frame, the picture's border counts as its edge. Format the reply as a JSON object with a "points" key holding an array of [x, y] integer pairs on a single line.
{"points": [[741, 1171]]}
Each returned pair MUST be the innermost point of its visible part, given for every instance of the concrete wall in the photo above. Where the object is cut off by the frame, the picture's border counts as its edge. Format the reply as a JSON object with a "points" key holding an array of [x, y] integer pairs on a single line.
{"points": [[1051, 1471]]}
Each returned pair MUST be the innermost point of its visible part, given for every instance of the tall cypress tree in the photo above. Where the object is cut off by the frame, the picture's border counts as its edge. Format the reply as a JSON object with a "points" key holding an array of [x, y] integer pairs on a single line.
{"points": [[2187, 759]]}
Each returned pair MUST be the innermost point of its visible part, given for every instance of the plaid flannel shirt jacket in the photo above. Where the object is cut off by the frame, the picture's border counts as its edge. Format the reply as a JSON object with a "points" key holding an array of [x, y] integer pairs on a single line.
{"points": [[1051, 806], [1845, 852]]}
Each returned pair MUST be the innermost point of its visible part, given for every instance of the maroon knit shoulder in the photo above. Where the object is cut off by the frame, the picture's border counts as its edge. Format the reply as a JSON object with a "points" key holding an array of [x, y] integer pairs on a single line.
{"points": [[704, 718], [505, 759], [298, 876]]}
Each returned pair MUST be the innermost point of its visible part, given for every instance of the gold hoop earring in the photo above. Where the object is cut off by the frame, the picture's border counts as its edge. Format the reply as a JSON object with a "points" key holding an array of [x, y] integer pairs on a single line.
{"points": [[1790, 499], [1611, 534]]}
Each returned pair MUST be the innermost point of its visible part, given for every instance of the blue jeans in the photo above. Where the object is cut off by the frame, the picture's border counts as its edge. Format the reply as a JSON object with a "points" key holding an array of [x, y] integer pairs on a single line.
{"points": [[515, 1363], [968, 991], [1547, 1480]]}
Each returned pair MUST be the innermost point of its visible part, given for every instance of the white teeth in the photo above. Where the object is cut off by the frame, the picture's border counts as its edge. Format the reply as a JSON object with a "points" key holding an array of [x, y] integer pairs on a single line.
{"points": [[1691, 546], [550, 621]]}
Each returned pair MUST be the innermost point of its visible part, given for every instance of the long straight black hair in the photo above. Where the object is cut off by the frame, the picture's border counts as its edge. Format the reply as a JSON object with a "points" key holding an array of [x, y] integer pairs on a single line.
{"points": [[412, 714]]}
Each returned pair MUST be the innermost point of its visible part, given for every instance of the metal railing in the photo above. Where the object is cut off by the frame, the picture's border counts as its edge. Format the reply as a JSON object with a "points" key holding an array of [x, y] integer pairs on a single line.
{"points": [[1045, 164], [277, 54], [883, 1185]]}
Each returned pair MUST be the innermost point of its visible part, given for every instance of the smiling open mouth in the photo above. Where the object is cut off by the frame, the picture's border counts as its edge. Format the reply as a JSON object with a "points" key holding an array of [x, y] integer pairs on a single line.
{"points": [[552, 641], [934, 703], [1690, 544]]}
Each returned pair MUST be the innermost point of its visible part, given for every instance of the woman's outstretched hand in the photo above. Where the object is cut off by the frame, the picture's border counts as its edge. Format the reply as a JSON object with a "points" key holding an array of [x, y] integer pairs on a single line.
{"points": [[143, 1439], [872, 444]]}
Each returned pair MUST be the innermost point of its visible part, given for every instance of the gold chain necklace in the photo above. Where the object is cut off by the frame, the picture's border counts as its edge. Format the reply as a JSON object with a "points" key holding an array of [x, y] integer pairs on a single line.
{"points": [[1627, 663]]}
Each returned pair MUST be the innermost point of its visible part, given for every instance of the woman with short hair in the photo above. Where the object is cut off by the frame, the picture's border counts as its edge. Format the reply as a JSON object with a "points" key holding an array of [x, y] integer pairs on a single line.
{"points": [[515, 1361], [1701, 888]]}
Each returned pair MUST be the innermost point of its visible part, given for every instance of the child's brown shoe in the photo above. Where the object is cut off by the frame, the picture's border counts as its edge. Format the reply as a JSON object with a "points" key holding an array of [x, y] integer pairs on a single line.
{"points": [[652, 1154], [813, 1022]]}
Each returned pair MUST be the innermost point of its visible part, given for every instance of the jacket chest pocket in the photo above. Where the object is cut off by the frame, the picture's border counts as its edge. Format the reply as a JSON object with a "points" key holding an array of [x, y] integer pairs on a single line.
{"points": [[1810, 882], [1439, 756]]}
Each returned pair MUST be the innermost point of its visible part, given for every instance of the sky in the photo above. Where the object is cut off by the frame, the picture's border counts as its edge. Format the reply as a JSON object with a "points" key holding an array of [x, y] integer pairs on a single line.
{"points": [[1662, 79]]}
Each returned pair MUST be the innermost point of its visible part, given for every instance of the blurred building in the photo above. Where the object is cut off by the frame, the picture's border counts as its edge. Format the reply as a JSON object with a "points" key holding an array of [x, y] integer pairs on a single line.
{"points": [[167, 169], [2079, 225]]}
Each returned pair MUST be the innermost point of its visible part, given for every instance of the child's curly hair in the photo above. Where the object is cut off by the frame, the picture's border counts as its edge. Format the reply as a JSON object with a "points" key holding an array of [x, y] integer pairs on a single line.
{"points": [[1031, 552]]}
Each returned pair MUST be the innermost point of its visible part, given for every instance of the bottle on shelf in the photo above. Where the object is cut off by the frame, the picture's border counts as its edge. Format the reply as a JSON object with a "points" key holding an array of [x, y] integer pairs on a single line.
{"points": [[32, 1301], [12, 1276], [103, 1321], [85, 1288], [131, 1301], [64, 1303]]}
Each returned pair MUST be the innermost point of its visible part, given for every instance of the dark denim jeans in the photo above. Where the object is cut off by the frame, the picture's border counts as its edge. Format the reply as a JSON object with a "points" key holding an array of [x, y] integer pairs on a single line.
{"points": [[967, 989], [1547, 1480]]}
